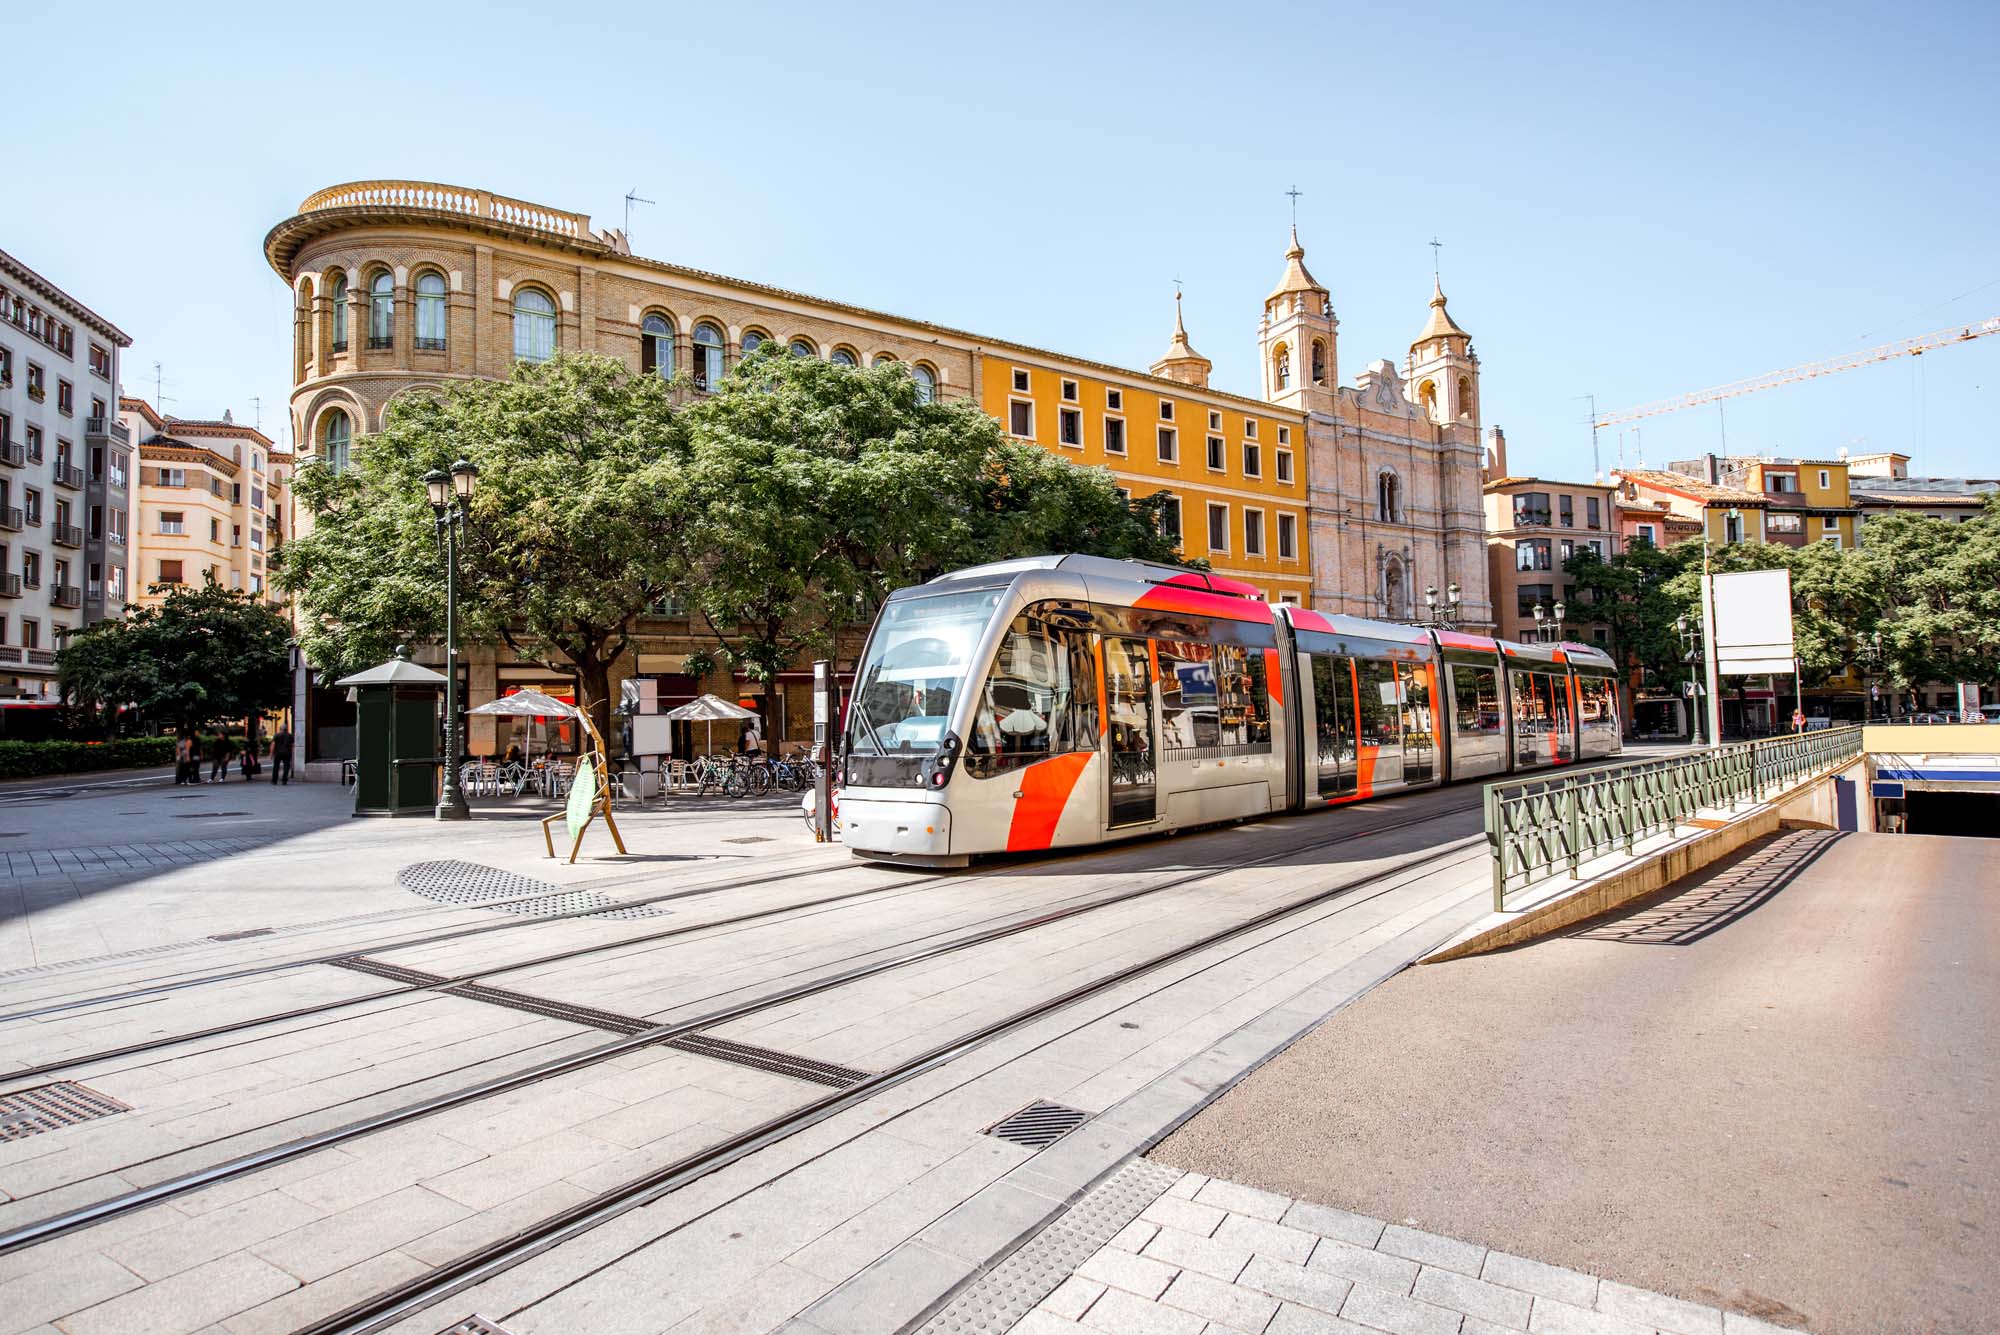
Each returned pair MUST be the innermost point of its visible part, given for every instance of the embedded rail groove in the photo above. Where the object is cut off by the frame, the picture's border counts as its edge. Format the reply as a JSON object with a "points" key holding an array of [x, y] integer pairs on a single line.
{"points": [[86, 1216]]}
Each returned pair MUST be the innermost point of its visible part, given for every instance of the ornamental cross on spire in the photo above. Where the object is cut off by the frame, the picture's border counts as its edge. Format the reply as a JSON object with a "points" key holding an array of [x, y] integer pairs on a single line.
{"points": [[1294, 193], [1436, 246]]}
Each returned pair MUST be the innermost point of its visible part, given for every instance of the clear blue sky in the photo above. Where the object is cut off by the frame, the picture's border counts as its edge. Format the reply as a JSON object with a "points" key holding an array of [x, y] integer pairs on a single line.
{"points": [[1632, 204]]}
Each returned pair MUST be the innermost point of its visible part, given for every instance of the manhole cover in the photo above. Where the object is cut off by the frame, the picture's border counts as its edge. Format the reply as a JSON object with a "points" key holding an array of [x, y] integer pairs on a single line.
{"points": [[29, 1112], [1039, 1125], [475, 886]]}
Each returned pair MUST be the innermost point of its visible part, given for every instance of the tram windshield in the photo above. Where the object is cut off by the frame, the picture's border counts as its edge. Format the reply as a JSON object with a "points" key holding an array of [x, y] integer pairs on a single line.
{"points": [[917, 661]]}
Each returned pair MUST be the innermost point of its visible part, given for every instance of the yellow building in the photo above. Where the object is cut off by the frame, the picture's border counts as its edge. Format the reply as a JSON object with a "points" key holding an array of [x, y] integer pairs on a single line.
{"points": [[210, 504], [1809, 500]]}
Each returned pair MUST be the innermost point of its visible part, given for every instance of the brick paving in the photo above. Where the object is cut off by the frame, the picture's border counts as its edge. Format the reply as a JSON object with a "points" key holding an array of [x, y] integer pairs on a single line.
{"points": [[1210, 1257]]}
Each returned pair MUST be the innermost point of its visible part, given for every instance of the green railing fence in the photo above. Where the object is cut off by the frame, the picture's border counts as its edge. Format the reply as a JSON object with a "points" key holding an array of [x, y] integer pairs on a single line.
{"points": [[1540, 827]]}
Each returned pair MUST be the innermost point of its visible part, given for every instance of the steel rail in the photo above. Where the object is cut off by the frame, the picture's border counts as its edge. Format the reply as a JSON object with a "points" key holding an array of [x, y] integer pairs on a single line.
{"points": [[97, 1212]]}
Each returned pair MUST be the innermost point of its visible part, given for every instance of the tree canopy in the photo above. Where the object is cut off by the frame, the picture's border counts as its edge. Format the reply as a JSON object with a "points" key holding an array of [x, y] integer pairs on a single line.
{"points": [[203, 655], [775, 510]]}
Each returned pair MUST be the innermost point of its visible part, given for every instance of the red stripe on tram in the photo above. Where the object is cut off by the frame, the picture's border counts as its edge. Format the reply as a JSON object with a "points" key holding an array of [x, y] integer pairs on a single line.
{"points": [[1045, 789]]}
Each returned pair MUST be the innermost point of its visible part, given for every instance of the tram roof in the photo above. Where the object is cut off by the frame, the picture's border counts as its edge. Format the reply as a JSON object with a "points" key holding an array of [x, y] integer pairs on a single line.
{"points": [[1104, 567]]}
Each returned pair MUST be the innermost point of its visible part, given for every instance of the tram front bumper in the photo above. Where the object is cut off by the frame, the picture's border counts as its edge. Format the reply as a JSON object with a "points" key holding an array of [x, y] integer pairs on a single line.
{"points": [[897, 831]]}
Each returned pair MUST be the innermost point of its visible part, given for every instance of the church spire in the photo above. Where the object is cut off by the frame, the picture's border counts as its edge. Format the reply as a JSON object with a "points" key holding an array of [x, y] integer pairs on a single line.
{"points": [[1440, 325], [1182, 362]]}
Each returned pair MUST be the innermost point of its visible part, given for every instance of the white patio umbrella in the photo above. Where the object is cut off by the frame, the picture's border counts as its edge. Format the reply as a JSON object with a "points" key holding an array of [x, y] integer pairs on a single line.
{"points": [[530, 705], [707, 709]]}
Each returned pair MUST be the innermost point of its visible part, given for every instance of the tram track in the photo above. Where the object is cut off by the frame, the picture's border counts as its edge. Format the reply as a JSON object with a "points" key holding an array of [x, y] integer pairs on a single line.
{"points": [[406, 1300], [85, 1216]]}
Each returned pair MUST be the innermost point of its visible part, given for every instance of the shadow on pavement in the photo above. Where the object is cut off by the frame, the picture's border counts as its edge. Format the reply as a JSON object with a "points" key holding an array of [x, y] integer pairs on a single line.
{"points": [[1717, 897]]}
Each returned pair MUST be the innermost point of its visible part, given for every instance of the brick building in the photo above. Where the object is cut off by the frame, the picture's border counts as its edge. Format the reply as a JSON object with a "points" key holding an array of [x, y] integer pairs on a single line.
{"points": [[211, 503]]}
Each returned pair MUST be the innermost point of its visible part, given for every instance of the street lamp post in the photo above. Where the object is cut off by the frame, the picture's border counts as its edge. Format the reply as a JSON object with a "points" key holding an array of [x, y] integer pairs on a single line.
{"points": [[451, 500], [1447, 616], [1690, 634], [1548, 629]]}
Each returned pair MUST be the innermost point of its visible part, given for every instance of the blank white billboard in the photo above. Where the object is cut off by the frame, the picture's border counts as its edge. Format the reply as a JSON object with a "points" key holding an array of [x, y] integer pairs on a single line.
{"points": [[1753, 622]]}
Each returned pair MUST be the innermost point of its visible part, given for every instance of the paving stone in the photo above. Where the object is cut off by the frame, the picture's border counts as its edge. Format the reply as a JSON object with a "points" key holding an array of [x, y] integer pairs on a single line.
{"points": [[346, 1239], [1329, 1222], [1123, 1314], [988, 1222], [1364, 1266], [1133, 1274], [1134, 1236], [1188, 1185], [1394, 1313], [1432, 1249], [58, 1289], [1192, 1251], [1540, 1278], [1658, 1310], [1292, 1320], [1551, 1317], [1266, 1238], [1474, 1326], [1073, 1296], [168, 1251], [1239, 1199], [188, 1301], [1184, 1214], [1474, 1297], [1296, 1283], [1040, 1322], [1229, 1304], [301, 1306], [886, 1294]]}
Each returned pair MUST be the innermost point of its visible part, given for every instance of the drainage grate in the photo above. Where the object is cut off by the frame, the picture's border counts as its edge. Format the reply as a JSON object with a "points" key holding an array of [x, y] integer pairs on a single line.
{"points": [[768, 1059], [29, 1112], [473, 1325], [474, 885], [243, 935], [1039, 1125], [554, 1010], [393, 972]]}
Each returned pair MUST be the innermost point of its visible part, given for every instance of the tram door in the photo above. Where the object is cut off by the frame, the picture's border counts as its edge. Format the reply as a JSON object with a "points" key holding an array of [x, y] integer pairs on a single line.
{"points": [[1381, 723], [1128, 699], [1419, 729], [1333, 723]]}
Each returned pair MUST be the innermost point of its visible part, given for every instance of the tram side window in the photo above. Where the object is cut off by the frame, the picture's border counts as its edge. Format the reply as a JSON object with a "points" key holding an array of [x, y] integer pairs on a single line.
{"points": [[1243, 698], [1190, 722], [1333, 723], [1040, 699], [1475, 700], [1597, 701], [1381, 697]]}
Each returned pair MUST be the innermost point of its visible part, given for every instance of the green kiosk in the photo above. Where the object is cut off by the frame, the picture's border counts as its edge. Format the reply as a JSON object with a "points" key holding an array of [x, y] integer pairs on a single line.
{"points": [[396, 737]]}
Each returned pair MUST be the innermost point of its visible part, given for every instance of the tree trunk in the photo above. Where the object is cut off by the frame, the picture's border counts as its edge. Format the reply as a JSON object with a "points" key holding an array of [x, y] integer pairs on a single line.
{"points": [[593, 685]]}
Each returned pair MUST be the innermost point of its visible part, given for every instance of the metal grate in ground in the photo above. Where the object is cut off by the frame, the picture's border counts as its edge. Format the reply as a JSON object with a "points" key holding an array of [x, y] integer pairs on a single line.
{"points": [[70, 862], [477, 886], [1004, 1293], [768, 1059], [554, 1010], [1039, 1125], [29, 1112], [474, 1325], [393, 972]]}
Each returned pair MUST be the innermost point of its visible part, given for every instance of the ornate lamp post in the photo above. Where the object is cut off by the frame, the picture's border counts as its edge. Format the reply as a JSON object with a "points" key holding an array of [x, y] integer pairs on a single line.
{"points": [[1690, 633], [1448, 617], [451, 500]]}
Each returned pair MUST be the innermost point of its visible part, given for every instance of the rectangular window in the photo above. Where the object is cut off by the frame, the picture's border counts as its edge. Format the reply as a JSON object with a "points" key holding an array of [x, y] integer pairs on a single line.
{"points": [[1526, 596], [1215, 449], [1114, 435], [1253, 532], [1214, 420], [117, 525], [1567, 512], [1253, 459], [1647, 534], [215, 530], [1114, 399], [1069, 390], [236, 535], [1476, 700], [1170, 517], [1531, 508], [1218, 526], [1288, 537], [6, 366], [1283, 460], [1169, 446], [1166, 410], [173, 521], [1531, 554], [170, 572], [1825, 479], [1020, 381], [97, 523], [1567, 551], [37, 388], [66, 401], [173, 477], [1289, 599], [1284, 435], [1596, 546], [33, 437], [1829, 522], [31, 569], [31, 634], [1250, 427], [1021, 418], [1591, 516], [1069, 426], [1214, 699], [33, 503], [1783, 523]]}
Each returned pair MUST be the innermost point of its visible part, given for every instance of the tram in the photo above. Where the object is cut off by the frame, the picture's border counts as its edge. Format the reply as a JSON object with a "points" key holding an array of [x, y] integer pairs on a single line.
{"points": [[1067, 701]]}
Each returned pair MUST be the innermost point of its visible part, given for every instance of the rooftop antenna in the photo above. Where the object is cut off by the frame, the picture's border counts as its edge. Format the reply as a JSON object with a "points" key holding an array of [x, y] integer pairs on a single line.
{"points": [[257, 412], [160, 400], [632, 197], [1596, 463]]}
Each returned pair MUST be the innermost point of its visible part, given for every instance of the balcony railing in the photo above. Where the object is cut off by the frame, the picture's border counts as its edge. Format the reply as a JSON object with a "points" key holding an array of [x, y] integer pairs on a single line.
{"points": [[435, 198], [69, 475], [9, 654], [68, 535], [377, 342], [66, 595], [13, 454], [108, 427], [10, 518], [10, 586], [41, 658]]}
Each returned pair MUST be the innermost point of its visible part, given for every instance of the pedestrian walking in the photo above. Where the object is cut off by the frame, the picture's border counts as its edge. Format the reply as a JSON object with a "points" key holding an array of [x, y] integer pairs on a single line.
{"points": [[218, 758], [281, 756], [187, 760], [246, 756], [1798, 720]]}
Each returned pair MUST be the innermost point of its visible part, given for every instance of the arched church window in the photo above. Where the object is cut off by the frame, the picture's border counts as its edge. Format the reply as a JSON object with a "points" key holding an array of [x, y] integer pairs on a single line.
{"points": [[1388, 505], [1319, 361], [1281, 368], [1427, 398], [1464, 396]]}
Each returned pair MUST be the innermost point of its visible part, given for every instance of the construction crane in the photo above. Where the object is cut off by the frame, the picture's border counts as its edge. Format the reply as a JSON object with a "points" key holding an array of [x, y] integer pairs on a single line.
{"points": [[1909, 347]]}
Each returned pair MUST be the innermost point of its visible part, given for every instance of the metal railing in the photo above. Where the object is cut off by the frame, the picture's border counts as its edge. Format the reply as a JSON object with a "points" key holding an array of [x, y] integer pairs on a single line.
{"points": [[67, 535], [1540, 827]]}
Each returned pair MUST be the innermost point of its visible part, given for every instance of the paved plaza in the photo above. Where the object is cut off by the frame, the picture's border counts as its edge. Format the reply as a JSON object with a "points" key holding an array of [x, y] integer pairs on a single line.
{"points": [[319, 1058]]}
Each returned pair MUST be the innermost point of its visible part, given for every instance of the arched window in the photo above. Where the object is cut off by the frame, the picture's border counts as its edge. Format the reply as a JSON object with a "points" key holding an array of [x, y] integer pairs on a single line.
{"points": [[1319, 361], [337, 297], [534, 325], [754, 339], [1388, 505], [382, 310], [1281, 368], [656, 345], [336, 440], [802, 347], [707, 356], [884, 359], [1427, 398], [1464, 396], [843, 357], [430, 311], [926, 380]]}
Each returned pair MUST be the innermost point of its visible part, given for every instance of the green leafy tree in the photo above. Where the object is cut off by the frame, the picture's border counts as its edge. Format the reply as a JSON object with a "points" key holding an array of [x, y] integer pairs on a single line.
{"points": [[202, 656], [814, 490], [1940, 595], [570, 536], [1630, 593]]}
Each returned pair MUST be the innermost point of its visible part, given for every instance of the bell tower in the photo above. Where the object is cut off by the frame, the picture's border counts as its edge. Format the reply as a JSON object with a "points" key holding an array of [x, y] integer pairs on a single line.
{"points": [[1295, 339], [1442, 370]]}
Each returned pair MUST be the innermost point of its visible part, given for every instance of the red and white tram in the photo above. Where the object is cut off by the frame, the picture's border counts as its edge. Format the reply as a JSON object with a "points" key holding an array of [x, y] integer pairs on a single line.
{"points": [[1063, 701]]}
